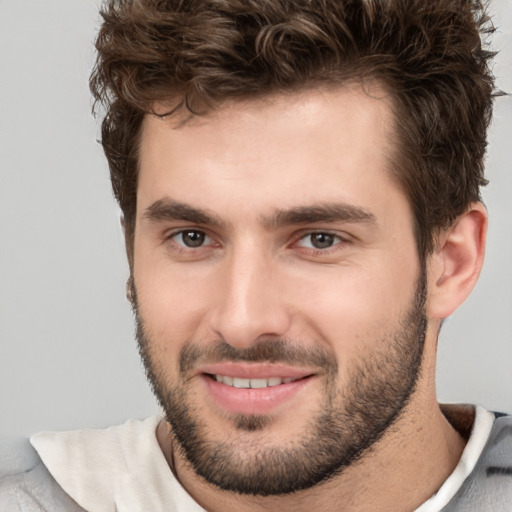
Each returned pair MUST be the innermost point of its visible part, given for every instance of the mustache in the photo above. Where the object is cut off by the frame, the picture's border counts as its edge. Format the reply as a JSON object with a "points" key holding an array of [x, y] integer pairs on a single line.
{"points": [[264, 351]]}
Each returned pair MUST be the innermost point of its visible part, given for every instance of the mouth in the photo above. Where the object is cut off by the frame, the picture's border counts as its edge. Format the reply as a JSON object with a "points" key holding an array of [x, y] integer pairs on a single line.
{"points": [[241, 383], [254, 389]]}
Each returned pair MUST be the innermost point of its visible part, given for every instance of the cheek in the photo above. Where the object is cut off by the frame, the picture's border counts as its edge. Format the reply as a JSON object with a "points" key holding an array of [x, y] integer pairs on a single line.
{"points": [[172, 301], [352, 309]]}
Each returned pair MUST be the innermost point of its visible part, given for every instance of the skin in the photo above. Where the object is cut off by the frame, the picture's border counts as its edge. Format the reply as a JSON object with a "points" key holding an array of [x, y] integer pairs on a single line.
{"points": [[243, 163]]}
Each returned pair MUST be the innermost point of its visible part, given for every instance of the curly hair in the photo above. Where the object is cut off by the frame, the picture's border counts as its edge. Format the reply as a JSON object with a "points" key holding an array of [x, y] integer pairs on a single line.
{"points": [[430, 56]]}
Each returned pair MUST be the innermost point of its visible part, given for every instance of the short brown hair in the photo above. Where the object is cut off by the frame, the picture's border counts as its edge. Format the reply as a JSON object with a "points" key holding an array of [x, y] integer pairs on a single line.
{"points": [[429, 55]]}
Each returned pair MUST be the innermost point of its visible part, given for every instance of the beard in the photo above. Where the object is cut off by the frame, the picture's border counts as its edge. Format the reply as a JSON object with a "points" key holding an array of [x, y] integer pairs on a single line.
{"points": [[350, 420]]}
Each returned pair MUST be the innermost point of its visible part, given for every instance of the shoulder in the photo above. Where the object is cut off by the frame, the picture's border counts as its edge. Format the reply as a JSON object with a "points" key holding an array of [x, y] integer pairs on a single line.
{"points": [[489, 486], [25, 482], [497, 455]]}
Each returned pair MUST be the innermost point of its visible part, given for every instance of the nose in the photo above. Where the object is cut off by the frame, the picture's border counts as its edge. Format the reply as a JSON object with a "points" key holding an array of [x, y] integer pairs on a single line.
{"points": [[250, 303]]}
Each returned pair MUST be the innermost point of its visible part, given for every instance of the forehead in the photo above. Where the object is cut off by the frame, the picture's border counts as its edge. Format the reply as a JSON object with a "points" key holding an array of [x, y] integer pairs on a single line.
{"points": [[291, 114], [313, 145]]}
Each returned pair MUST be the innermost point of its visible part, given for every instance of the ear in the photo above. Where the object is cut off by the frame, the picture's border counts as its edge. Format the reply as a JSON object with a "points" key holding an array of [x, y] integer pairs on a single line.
{"points": [[454, 267]]}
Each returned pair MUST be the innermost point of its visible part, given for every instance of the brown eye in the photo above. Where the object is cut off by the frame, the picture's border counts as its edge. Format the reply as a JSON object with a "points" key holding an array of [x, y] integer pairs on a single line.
{"points": [[190, 238], [322, 240]]}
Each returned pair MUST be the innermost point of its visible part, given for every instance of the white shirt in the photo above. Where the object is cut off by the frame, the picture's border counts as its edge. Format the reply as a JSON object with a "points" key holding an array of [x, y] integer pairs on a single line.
{"points": [[122, 468], [119, 469]]}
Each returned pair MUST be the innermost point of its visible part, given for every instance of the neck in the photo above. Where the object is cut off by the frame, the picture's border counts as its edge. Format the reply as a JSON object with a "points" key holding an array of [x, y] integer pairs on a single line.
{"points": [[407, 466]]}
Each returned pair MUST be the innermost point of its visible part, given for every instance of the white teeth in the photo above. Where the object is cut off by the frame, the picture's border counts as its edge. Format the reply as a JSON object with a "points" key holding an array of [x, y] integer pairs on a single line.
{"points": [[259, 383], [241, 383], [252, 383]]}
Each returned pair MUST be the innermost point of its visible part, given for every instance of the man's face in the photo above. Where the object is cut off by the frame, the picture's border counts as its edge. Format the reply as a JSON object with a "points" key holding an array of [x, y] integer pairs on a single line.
{"points": [[279, 296]]}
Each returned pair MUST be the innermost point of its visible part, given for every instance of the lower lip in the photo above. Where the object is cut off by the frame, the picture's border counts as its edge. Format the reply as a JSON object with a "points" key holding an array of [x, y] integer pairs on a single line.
{"points": [[253, 401]]}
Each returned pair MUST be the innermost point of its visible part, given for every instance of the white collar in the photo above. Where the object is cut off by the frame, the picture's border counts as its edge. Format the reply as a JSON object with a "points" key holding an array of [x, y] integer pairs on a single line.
{"points": [[480, 431], [119, 469]]}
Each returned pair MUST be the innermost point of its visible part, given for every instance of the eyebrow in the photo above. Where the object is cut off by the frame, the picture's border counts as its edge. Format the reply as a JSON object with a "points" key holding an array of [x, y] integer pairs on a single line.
{"points": [[328, 212], [170, 210]]}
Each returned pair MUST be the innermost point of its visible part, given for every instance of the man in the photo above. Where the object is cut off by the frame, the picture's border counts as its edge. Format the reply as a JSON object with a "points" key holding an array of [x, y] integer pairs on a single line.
{"points": [[300, 190]]}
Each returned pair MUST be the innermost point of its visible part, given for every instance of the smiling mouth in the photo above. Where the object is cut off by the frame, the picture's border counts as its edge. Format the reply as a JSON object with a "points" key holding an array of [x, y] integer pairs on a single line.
{"points": [[256, 394], [241, 383]]}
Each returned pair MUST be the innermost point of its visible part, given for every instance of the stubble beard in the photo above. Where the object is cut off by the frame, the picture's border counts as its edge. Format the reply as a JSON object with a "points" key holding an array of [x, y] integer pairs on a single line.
{"points": [[349, 423]]}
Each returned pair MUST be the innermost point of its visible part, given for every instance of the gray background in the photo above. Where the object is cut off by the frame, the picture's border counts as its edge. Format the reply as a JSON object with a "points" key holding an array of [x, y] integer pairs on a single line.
{"points": [[68, 358]]}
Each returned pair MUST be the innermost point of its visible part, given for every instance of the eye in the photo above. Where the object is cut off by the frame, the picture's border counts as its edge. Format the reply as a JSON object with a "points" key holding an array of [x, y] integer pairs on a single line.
{"points": [[191, 238], [319, 240]]}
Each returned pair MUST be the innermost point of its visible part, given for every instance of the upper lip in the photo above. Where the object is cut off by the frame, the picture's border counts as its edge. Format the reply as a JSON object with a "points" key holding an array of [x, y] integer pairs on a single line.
{"points": [[243, 370]]}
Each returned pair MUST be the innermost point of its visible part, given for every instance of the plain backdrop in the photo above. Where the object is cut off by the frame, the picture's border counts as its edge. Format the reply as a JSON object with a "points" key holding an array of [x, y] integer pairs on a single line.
{"points": [[68, 358]]}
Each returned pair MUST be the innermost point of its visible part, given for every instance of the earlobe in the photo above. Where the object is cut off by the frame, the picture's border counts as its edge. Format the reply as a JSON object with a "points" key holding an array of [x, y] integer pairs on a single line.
{"points": [[455, 266]]}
